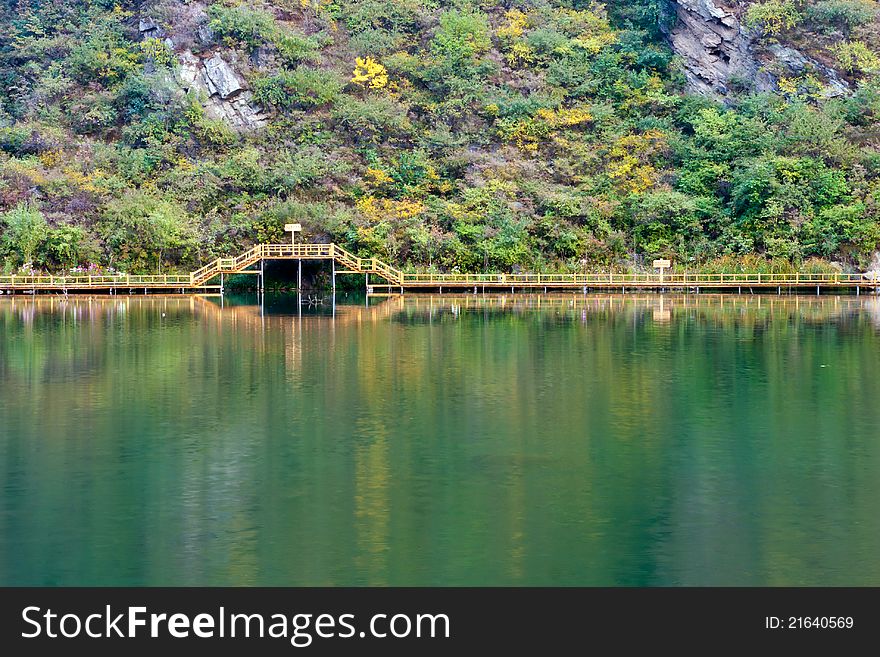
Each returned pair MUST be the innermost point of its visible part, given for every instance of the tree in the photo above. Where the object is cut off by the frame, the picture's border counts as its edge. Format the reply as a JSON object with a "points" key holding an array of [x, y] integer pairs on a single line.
{"points": [[24, 231], [143, 228]]}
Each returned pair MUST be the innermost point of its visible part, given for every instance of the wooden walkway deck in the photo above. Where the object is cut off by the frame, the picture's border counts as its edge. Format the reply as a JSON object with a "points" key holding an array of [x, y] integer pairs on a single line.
{"points": [[210, 278]]}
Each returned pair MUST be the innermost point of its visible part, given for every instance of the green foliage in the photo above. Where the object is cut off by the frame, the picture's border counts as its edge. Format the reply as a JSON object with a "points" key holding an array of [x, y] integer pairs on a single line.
{"points": [[156, 51], [241, 25], [382, 26], [456, 69], [250, 28], [773, 16], [67, 246], [143, 230], [856, 57], [303, 88], [550, 135], [372, 118], [24, 231], [846, 15], [105, 55]]}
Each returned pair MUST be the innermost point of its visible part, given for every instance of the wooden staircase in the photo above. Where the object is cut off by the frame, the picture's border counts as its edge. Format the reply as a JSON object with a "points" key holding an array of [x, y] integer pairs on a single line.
{"points": [[349, 261]]}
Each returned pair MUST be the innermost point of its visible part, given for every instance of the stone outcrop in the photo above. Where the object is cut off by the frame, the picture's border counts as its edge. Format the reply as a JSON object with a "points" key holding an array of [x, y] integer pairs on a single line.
{"points": [[220, 78], [150, 29], [224, 91], [717, 51], [713, 45], [798, 63]]}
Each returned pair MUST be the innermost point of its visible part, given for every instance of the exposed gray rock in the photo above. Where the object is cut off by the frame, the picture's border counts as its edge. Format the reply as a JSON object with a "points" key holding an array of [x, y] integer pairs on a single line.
{"points": [[222, 89], [147, 24], [713, 10], [221, 78], [264, 58], [713, 46], [796, 62], [150, 29], [205, 33], [717, 49]]}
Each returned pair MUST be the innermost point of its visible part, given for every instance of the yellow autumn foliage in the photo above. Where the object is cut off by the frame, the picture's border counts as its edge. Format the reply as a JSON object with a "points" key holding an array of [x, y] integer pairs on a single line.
{"points": [[377, 177], [369, 73], [515, 26], [378, 209], [51, 158], [630, 164], [529, 132], [594, 43]]}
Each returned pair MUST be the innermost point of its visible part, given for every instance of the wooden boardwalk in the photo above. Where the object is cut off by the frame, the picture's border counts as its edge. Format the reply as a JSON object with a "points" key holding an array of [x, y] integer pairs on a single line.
{"points": [[388, 279]]}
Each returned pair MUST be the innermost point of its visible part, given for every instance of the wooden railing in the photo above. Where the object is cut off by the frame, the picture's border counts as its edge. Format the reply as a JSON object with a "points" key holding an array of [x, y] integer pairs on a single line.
{"points": [[79, 282], [395, 278], [652, 280], [297, 251]]}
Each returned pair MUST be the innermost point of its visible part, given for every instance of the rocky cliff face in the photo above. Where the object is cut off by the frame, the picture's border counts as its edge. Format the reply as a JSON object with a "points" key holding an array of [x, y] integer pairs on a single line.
{"points": [[222, 88], [211, 73], [718, 52], [713, 45]]}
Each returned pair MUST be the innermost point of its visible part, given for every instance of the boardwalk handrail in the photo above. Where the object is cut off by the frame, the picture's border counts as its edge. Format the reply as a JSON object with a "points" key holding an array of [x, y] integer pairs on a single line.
{"points": [[396, 278]]}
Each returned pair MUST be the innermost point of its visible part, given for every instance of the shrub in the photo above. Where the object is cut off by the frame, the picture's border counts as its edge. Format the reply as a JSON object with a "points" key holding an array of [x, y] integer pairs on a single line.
{"points": [[369, 73], [158, 52], [372, 118], [773, 16], [856, 57], [841, 14], [22, 140], [68, 245], [251, 28], [303, 87], [103, 56], [144, 229], [255, 28], [296, 48], [24, 232]]}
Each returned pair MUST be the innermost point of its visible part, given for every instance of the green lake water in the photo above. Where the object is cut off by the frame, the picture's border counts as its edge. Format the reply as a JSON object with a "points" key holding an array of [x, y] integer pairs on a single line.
{"points": [[440, 440]]}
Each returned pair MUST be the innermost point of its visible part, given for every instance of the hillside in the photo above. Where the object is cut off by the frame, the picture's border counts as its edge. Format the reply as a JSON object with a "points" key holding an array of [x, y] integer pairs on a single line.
{"points": [[520, 135]]}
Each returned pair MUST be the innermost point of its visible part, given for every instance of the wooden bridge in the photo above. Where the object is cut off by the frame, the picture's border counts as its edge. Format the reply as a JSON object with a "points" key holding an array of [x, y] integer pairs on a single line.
{"points": [[388, 279]]}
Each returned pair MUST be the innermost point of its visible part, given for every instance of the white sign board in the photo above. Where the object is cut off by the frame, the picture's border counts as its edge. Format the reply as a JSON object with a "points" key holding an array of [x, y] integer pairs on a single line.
{"points": [[292, 228], [661, 264]]}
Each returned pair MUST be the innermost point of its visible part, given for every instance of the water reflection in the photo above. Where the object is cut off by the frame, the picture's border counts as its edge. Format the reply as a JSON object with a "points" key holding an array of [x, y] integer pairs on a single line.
{"points": [[440, 439]]}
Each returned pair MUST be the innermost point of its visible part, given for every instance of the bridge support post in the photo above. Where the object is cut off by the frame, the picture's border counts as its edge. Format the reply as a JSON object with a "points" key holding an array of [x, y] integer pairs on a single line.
{"points": [[222, 288], [333, 279], [299, 276], [262, 276], [858, 289], [817, 290]]}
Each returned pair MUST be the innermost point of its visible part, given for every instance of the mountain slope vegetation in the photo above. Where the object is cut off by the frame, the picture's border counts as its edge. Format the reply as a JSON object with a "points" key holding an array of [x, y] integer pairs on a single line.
{"points": [[466, 135]]}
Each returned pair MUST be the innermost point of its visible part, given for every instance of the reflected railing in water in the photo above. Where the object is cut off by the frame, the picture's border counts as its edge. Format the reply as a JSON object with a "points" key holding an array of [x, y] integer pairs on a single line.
{"points": [[250, 311]]}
